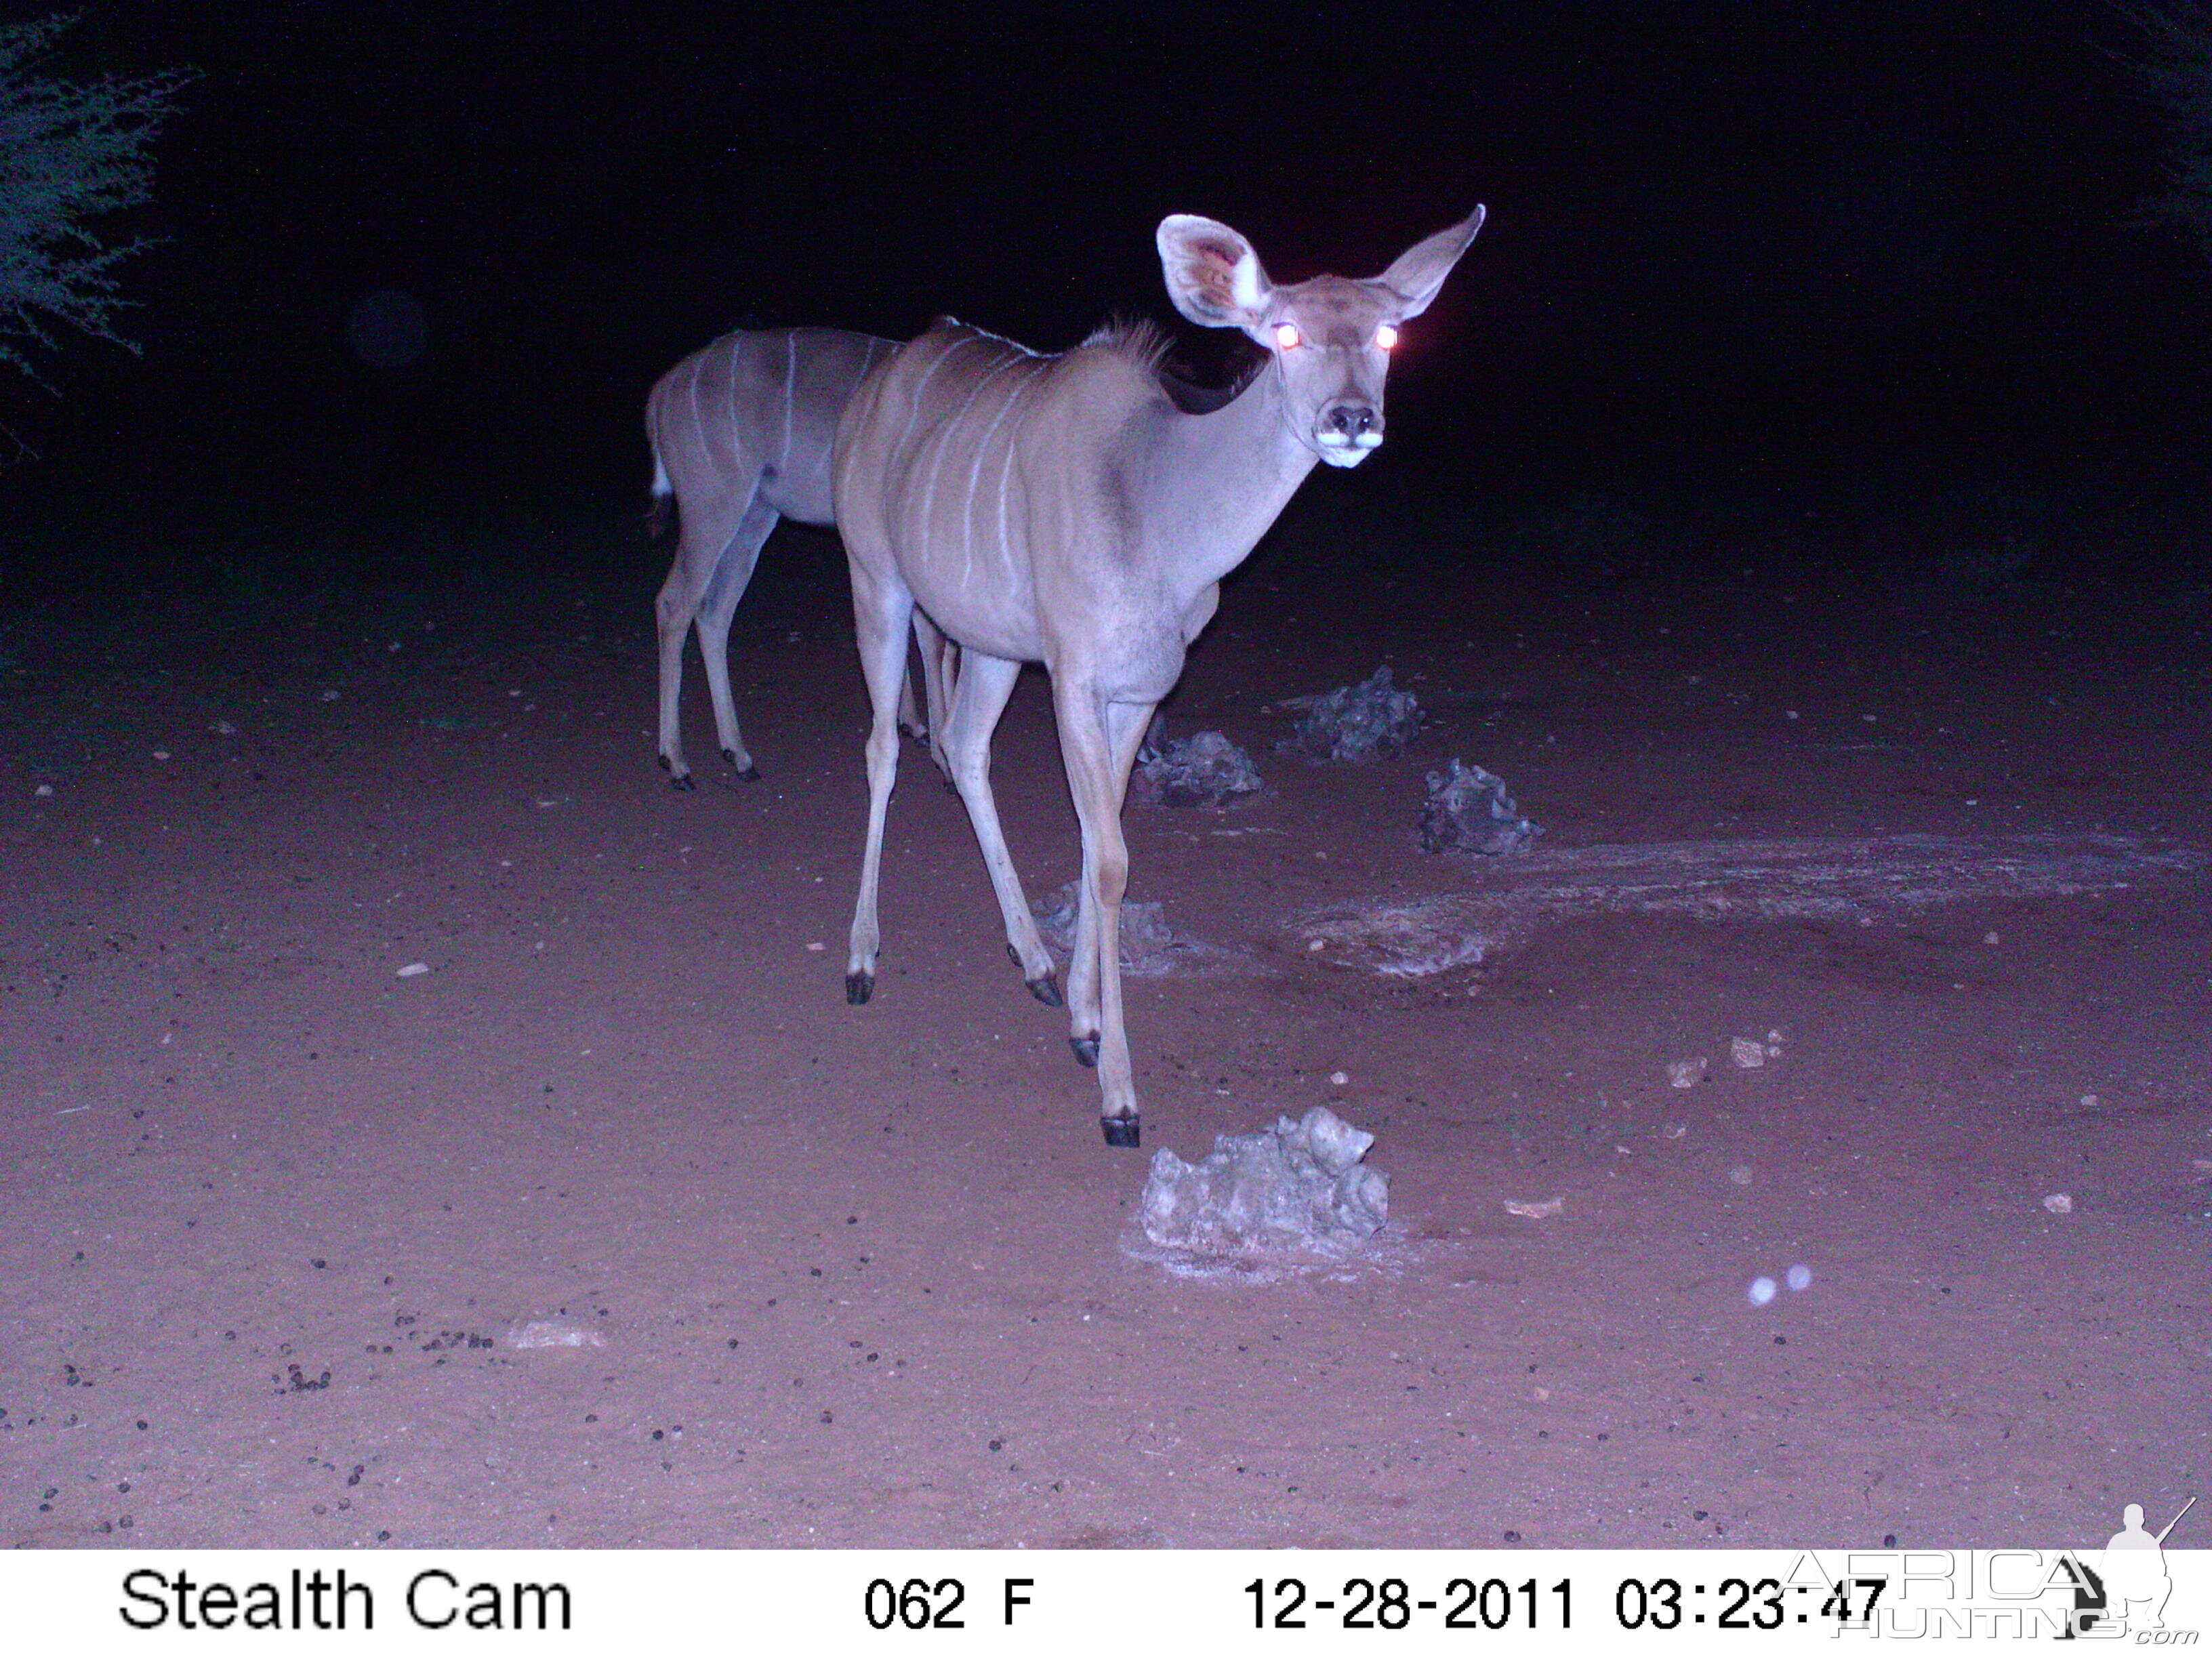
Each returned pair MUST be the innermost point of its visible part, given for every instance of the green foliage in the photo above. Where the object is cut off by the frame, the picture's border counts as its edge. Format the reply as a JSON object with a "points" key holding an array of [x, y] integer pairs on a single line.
{"points": [[71, 153]]}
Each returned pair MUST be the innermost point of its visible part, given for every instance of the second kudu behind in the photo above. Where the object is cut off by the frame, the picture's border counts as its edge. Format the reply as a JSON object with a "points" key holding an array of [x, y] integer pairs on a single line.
{"points": [[742, 432], [1080, 511]]}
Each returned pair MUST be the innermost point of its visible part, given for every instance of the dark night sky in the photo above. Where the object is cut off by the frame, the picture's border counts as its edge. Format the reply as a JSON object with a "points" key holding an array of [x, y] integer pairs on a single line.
{"points": [[1798, 238]]}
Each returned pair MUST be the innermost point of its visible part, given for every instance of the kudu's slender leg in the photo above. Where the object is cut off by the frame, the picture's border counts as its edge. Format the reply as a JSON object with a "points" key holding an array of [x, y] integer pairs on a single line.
{"points": [[979, 697], [882, 612], [1098, 744], [731, 579], [709, 534], [910, 718], [940, 664]]}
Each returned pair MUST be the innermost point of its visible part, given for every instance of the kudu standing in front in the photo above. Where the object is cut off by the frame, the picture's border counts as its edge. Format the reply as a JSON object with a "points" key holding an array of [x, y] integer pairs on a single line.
{"points": [[1068, 510], [742, 432]]}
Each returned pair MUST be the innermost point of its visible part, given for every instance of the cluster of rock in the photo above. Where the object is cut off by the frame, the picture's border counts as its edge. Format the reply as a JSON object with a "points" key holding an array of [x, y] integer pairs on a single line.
{"points": [[1355, 723], [1302, 1182], [1204, 769], [1468, 809]]}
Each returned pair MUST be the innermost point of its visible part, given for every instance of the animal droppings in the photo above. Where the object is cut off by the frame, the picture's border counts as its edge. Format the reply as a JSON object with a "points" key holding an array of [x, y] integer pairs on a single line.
{"points": [[1204, 769], [1468, 811], [1299, 1183], [1354, 723]]}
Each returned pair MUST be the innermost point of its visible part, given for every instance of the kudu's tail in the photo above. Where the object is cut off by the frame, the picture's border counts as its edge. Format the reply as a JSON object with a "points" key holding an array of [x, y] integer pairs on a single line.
{"points": [[657, 515]]}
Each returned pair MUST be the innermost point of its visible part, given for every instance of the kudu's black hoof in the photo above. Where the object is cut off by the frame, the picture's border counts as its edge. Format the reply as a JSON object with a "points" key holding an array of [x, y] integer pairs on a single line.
{"points": [[751, 774], [682, 781], [1086, 1054], [1045, 988], [1120, 1131], [858, 988]]}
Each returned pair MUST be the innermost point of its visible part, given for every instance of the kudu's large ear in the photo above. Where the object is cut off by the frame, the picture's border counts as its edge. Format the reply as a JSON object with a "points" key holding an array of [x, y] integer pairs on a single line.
{"points": [[1416, 275], [1214, 276]]}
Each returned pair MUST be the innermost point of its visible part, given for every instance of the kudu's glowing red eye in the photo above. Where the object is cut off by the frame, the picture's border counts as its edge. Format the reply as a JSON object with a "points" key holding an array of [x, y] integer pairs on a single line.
{"points": [[1286, 335], [1386, 336]]}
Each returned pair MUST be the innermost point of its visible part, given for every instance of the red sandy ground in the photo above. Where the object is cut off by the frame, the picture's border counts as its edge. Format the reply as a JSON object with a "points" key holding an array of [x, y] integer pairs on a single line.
{"points": [[858, 1276]]}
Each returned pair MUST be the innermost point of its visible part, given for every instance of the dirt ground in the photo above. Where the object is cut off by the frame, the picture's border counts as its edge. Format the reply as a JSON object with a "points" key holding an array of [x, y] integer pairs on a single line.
{"points": [[281, 1231]]}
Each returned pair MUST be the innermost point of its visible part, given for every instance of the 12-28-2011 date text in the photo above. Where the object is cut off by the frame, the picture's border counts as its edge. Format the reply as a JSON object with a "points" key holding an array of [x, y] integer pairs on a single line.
{"points": [[1392, 1604]]}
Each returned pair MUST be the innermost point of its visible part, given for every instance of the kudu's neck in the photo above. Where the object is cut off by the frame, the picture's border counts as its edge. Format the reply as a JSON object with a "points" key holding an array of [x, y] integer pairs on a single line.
{"points": [[1215, 483]]}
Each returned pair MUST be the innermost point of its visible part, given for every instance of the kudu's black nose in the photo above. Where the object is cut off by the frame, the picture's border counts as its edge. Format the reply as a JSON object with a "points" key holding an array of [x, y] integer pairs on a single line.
{"points": [[1353, 419]]}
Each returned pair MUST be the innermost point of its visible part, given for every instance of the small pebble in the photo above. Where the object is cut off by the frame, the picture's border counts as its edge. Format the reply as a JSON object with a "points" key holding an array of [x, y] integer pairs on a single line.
{"points": [[2059, 1203], [413, 968]]}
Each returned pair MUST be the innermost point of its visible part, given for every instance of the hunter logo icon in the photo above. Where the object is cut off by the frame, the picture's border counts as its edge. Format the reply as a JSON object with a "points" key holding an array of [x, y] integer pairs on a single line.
{"points": [[2128, 1588], [2135, 1580]]}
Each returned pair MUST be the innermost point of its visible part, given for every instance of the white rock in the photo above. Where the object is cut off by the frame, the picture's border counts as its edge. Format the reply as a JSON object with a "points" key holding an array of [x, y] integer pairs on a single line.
{"points": [[1293, 1183], [553, 1333], [1535, 1210]]}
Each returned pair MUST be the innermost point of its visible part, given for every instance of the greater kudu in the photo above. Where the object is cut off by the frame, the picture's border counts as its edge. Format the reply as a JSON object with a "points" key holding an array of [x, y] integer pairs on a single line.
{"points": [[1067, 510], [742, 432]]}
